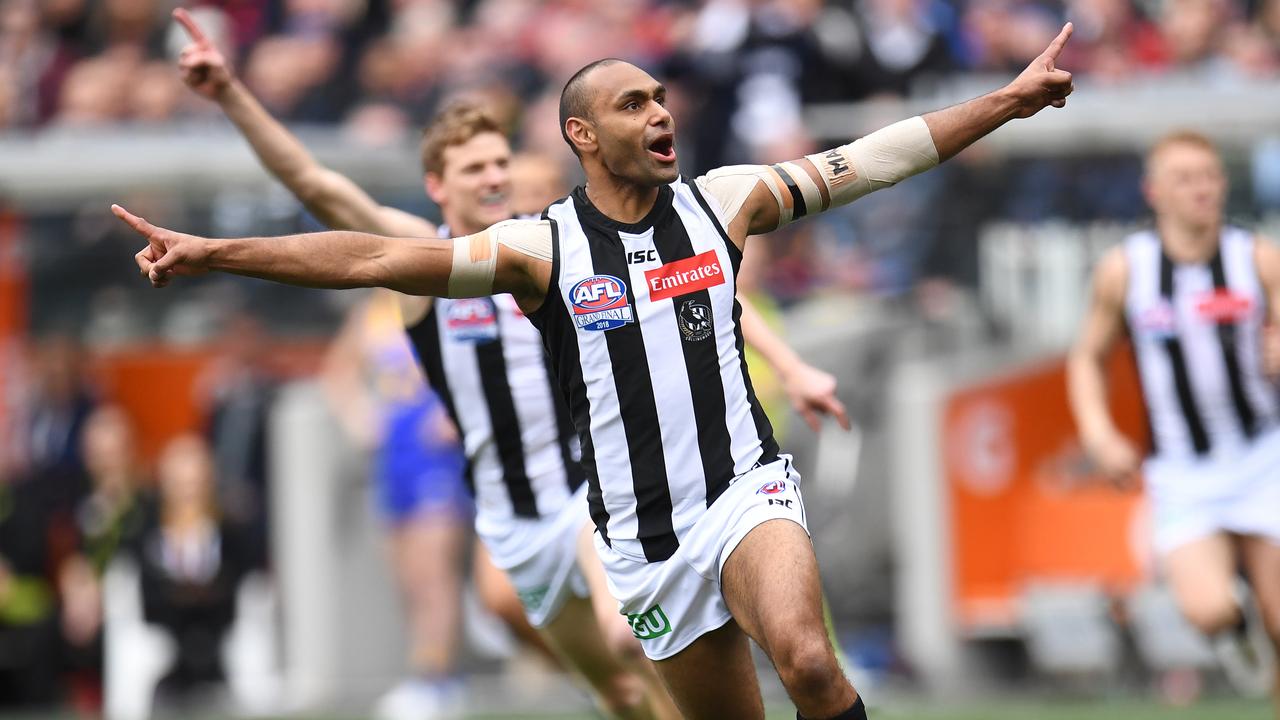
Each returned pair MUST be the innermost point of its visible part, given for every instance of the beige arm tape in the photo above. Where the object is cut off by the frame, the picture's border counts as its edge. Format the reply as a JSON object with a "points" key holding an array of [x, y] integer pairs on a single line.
{"points": [[879, 160], [732, 185], [475, 257]]}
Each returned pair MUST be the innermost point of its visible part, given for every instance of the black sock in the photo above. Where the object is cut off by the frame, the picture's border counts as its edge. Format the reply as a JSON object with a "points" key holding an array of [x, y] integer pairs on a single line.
{"points": [[857, 711]]}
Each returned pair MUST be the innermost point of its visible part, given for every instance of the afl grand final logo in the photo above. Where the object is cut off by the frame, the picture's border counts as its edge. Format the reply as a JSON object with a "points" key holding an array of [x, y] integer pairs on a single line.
{"points": [[695, 321], [600, 303]]}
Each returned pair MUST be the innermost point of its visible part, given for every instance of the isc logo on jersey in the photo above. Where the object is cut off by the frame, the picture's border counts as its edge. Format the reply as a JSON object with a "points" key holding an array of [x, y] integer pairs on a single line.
{"points": [[472, 320], [600, 303]]}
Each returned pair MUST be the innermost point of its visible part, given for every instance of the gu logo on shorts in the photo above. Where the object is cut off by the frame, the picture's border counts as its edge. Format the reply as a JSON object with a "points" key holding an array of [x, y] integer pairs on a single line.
{"points": [[1224, 306], [695, 321], [699, 272], [472, 320], [650, 624], [1159, 320], [600, 303], [773, 487], [533, 597]]}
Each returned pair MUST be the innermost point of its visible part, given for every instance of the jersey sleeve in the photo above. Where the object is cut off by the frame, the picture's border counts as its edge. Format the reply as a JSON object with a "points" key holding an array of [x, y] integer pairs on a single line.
{"points": [[730, 187]]}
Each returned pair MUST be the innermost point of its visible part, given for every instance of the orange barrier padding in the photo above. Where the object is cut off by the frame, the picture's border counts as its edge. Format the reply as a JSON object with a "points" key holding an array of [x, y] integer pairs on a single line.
{"points": [[1025, 504], [158, 385]]}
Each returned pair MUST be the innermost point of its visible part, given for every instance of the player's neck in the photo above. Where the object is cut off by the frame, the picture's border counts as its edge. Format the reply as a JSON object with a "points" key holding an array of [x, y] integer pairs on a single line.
{"points": [[1186, 244], [619, 199], [459, 226]]}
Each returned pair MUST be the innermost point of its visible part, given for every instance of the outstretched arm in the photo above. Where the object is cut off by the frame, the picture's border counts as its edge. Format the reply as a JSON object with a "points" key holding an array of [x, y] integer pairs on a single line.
{"points": [[330, 196], [510, 257], [1114, 455], [812, 391], [758, 199]]}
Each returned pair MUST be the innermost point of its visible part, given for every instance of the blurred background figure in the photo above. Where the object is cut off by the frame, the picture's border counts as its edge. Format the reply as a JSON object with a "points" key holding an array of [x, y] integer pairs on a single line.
{"points": [[378, 396], [191, 560], [106, 521]]}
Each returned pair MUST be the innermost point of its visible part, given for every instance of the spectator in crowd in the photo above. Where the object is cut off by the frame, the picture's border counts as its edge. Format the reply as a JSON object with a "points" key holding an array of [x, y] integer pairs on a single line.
{"points": [[28, 611], [192, 559], [105, 521], [236, 395], [62, 400]]}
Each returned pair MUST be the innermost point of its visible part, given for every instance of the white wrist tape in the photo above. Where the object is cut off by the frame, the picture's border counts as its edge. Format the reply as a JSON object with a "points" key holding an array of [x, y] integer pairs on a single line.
{"points": [[879, 160], [475, 257]]}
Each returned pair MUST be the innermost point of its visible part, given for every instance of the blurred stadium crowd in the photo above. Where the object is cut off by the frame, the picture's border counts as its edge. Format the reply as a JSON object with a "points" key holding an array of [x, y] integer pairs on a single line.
{"points": [[742, 72], [374, 64]]}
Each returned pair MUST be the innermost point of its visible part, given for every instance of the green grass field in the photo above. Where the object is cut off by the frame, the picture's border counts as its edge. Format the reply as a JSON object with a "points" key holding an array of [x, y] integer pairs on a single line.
{"points": [[1066, 710]]}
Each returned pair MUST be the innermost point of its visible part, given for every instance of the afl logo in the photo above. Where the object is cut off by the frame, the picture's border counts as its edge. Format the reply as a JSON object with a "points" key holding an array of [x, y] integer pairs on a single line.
{"points": [[600, 303], [473, 320], [773, 487]]}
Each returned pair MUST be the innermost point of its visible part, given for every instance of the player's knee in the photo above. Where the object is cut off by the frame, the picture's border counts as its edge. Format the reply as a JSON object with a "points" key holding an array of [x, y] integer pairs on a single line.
{"points": [[808, 667], [623, 644], [622, 695], [1211, 613]]}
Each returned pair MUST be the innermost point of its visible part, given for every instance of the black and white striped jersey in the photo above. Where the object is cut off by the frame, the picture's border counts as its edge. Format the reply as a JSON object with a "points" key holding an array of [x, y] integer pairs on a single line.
{"points": [[487, 363], [642, 326], [1197, 335]]}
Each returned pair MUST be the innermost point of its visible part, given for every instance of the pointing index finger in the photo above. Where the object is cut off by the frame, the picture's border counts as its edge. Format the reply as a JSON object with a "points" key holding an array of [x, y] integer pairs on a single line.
{"points": [[189, 24], [1059, 42]]}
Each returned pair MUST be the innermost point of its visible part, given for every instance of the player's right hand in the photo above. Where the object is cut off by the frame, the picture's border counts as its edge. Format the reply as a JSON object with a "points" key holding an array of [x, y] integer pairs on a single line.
{"points": [[1043, 83], [167, 253], [203, 67], [1115, 457]]}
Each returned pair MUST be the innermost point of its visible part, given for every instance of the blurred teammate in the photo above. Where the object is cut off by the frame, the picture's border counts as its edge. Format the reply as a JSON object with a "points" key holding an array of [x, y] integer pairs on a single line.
{"points": [[377, 393], [1201, 301], [489, 366], [630, 280]]}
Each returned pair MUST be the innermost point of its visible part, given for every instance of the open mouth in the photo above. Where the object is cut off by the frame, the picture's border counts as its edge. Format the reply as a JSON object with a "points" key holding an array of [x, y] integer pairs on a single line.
{"points": [[663, 148]]}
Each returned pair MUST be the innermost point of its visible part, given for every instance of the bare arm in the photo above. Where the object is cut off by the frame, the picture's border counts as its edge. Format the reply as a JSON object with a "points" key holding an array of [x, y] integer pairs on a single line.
{"points": [[1087, 375], [759, 199], [812, 391], [330, 196], [346, 259]]}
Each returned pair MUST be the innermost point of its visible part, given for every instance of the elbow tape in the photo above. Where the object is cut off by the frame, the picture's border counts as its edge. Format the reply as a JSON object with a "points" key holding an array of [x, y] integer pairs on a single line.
{"points": [[475, 257]]}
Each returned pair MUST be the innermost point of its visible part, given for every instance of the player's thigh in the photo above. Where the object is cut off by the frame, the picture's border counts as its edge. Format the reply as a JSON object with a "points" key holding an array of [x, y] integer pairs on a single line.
{"points": [[1201, 574], [612, 622], [771, 585], [576, 639], [1262, 563], [429, 547], [714, 678]]}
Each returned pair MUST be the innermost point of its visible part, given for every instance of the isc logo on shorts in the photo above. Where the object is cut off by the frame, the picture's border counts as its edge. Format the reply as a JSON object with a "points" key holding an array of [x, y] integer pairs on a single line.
{"points": [[472, 320], [600, 303], [684, 276]]}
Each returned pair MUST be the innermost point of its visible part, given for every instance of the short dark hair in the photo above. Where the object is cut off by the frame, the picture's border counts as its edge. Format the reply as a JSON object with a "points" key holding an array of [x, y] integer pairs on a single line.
{"points": [[575, 101]]}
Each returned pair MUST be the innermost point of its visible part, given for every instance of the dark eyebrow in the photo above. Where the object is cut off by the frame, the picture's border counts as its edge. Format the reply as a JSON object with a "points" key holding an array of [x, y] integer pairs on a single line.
{"points": [[637, 94]]}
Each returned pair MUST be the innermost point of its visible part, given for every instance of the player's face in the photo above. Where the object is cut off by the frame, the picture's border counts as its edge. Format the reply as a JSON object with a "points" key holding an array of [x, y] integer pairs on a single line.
{"points": [[474, 185], [636, 134], [1186, 184]]}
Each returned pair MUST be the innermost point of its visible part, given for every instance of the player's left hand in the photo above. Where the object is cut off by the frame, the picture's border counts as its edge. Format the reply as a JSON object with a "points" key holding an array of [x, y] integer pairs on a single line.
{"points": [[167, 252], [1043, 83], [1271, 351], [813, 394]]}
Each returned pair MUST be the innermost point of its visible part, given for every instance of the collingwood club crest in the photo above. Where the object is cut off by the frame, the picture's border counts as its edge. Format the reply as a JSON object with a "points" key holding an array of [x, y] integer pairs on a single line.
{"points": [[695, 321]]}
